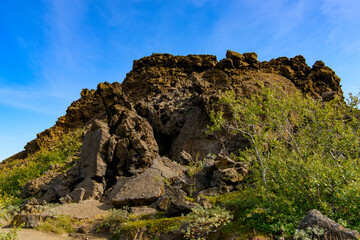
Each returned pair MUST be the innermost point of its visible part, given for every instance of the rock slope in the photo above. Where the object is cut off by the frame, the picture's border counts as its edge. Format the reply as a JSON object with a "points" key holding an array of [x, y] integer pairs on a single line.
{"points": [[142, 132]]}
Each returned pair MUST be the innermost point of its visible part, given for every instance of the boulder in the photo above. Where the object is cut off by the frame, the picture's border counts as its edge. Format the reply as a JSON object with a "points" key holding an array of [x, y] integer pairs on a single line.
{"points": [[78, 194], [142, 210], [332, 230], [210, 192], [234, 55], [169, 170], [37, 186], [61, 190], [238, 60], [229, 171], [251, 58], [48, 197], [94, 151], [88, 189], [137, 147], [141, 190], [148, 186], [174, 202], [225, 63]]}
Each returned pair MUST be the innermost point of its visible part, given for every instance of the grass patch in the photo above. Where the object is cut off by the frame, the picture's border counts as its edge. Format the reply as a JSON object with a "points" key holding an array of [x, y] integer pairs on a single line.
{"points": [[152, 226], [118, 221], [15, 174], [58, 225]]}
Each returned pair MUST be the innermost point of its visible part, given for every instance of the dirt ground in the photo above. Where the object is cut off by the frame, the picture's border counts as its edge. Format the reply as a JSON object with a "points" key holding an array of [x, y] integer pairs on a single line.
{"points": [[30, 234], [89, 209]]}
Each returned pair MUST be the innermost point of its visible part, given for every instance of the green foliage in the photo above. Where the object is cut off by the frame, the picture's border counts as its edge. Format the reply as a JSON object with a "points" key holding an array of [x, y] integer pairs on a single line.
{"points": [[153, 226], [202, 222], [8, 205], [113, 219], [194, 167], [309, 233], [304, 155], [10, 235], [15, 174], [59, 225], [119, 220]]}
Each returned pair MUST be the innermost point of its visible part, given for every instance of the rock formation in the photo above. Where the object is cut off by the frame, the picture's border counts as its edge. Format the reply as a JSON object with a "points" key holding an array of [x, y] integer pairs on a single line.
{"points": [[141, 133], [332, 230]]}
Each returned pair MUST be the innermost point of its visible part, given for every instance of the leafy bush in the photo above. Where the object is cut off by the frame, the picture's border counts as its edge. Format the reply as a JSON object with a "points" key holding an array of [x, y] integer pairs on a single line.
{"points": [[8, 205], [304, 155], [10, 235], [202, 222]]}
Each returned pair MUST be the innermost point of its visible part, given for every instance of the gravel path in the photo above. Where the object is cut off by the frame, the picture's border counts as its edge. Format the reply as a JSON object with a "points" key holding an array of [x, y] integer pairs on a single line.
{"points": [[88, 209], [30, 234]]}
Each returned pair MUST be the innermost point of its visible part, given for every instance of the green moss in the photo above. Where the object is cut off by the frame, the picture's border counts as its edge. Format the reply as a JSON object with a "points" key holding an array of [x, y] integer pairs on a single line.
{"points": [[190, 199]]}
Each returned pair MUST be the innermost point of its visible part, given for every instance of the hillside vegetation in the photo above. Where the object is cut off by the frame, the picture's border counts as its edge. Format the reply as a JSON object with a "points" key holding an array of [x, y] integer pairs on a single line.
{"points": [[304, 154], [188, 147]]}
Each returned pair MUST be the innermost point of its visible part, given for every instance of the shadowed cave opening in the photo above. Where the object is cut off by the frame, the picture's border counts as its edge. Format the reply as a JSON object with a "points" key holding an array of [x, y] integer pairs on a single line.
{"points": [[164, 142]]}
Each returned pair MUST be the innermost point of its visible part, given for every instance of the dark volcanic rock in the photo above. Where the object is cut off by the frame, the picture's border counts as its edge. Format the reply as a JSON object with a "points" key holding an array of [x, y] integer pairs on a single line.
{"points": [[143, 189], [137, 147], [332, 229], [94, 150], [87, 189], [174, 202], [148, 186]]}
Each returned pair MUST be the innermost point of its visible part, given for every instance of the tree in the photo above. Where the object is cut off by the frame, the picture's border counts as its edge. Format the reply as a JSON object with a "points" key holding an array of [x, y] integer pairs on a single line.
{"points": [[304, 154]]}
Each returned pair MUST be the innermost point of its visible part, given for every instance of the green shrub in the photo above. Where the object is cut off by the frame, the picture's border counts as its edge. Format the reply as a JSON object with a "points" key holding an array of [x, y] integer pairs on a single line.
{"points": [[202, 222], [309, 233], [113, 219], [10, 235], [58, 225], [304, 154], [118, 221], [8, 205]]}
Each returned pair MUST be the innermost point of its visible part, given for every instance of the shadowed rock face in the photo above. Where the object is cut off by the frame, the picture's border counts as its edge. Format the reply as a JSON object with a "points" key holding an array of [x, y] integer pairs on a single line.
{"points": [[161, 110]]}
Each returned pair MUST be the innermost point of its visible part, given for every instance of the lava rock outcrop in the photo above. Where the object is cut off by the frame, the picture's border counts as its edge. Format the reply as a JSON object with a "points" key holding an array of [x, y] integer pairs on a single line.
{"points": [[141, 132]]}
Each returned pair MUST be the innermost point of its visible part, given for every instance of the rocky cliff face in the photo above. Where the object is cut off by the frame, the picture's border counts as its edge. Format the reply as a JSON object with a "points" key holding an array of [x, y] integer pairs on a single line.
{"points": [[140, 133], [164, 89]]}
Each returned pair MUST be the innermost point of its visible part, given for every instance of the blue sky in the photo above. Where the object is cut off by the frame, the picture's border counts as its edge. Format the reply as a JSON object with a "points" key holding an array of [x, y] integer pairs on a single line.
{"points": [[51, 49]]}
